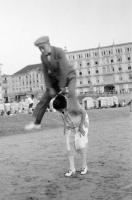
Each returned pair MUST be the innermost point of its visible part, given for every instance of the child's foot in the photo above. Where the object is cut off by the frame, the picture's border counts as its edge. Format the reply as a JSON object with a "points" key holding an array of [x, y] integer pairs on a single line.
{"points": [[70, 173], [84, 170]]}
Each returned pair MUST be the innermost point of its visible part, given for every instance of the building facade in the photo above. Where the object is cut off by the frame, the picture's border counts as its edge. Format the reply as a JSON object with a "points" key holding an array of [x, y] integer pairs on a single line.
{"points": [[104, 69], [99, 70], [1, 95], [6, 86], [28, 80]]}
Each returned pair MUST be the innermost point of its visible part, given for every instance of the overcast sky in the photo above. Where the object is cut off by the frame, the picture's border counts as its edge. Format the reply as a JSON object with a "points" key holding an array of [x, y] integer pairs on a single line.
{"points": [[76, 24]]}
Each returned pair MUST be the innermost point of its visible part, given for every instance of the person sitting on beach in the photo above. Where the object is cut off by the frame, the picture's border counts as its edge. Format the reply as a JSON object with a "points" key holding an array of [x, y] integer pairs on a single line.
{"points": [[76, 141]]}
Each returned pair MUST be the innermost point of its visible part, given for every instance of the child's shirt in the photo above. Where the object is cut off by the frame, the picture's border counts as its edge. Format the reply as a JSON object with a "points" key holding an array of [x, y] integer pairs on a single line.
{"points": [[72, 122]]}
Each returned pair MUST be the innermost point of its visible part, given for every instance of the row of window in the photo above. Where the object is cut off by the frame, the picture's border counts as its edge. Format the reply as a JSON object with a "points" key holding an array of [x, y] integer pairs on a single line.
{"points": [[28, 82], [106, 70], [119, 59], [27, 88], [28, 77], [120, 78], [105, 52], [117, 91]]}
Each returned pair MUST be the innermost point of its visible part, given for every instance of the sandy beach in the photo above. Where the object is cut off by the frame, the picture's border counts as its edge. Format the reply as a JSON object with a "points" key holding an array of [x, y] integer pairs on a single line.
{"points": [[32, 165]]}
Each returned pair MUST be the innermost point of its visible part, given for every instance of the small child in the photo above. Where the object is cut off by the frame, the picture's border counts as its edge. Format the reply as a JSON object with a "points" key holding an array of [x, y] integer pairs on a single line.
{"points": [[76, 141]]}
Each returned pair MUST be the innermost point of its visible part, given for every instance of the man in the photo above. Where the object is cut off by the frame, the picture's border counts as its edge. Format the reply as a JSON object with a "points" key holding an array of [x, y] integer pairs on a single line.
{"points": [[58, 75]]}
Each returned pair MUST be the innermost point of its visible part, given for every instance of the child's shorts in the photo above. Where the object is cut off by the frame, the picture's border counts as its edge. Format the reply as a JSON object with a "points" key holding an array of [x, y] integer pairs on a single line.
{"points": [[80, 141], [75, 141]]}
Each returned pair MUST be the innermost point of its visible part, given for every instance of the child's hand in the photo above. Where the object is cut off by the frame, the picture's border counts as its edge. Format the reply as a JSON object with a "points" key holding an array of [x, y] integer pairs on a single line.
{"points": [[81, 130]]}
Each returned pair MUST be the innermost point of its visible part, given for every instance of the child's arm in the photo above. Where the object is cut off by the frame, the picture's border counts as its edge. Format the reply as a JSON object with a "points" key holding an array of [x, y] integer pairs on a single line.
{"points": [[84, 123], [64, 124]]}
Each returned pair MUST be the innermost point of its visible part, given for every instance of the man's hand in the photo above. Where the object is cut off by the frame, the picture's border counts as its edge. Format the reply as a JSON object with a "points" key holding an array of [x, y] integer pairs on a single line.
{"points": [[63, 90], [52, 92]]}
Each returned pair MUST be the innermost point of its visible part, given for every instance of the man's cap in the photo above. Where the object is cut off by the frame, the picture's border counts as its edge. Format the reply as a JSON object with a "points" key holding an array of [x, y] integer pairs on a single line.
{"points": [[42, 40]]}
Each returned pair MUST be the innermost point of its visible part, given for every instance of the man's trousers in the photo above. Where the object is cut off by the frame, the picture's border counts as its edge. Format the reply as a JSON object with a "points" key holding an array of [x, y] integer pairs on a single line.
{"points": [[73, 103]]}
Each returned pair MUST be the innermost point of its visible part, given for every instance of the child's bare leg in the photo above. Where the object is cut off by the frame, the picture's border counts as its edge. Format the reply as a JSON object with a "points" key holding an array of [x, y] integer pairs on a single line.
{"points": [[70, 153], [71, 161], [84, 161], [84, 157], [72, 165]]}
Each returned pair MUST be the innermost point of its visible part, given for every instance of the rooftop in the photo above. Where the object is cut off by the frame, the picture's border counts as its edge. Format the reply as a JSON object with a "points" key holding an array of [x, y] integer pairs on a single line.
{"points": [[99, 47], [28, 68]]}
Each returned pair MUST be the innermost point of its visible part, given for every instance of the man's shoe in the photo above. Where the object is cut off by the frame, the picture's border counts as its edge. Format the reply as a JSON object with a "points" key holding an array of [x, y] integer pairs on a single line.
{"points": [[84, 171], [70, 173], [32, 126]]}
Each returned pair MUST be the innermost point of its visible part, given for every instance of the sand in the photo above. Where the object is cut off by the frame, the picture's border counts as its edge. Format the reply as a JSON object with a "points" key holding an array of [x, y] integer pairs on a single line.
{"points": [[32, 165]]}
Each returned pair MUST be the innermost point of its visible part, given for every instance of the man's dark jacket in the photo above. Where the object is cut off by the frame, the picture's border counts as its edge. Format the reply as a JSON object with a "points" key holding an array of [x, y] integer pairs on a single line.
{"points": [[58, 70]]}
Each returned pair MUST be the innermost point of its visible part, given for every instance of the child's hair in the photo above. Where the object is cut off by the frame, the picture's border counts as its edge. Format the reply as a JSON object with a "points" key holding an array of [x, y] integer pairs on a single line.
{"points": [[60, 102]]}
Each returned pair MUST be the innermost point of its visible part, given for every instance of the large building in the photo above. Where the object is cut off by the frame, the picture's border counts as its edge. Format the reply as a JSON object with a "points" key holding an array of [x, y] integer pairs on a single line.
{"points": [[28, 80], [6, 86], [1, 95], [104, 69], [99, 71]]}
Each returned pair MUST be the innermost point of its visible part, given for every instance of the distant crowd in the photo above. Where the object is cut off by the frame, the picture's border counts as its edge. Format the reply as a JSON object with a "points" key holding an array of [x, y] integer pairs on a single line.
{"points": [[27, 105]]}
